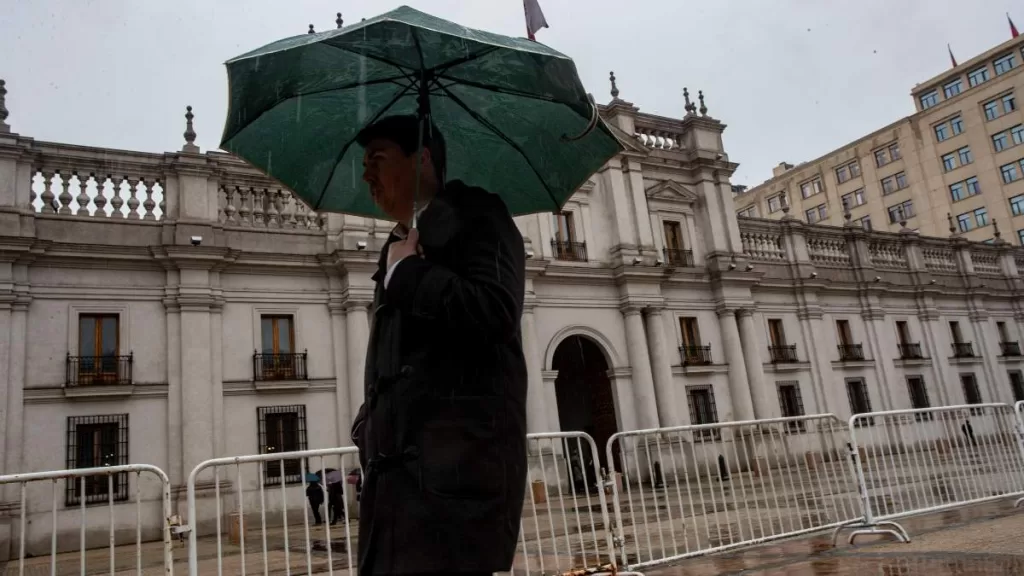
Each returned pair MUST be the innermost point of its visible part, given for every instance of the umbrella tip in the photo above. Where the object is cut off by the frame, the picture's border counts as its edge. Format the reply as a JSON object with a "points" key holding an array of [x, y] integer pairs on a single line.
{"points": [[311, 31], [339, 21]]}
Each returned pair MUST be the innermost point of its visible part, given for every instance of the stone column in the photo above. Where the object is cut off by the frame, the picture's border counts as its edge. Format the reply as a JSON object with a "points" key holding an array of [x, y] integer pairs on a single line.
{"points": [[536, 411], [639, 360], [15, 431], [664, 386], [357, 339], [339, 348], [880, 347], [550, 398], [989, 353], [826, 390], [947, 381], [175, 467], [196, 363], [760, 393], [739, 386]]}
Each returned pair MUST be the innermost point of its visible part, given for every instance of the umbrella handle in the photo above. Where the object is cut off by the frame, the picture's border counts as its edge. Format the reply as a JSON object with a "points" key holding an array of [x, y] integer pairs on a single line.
{"points": [[590, 125]]}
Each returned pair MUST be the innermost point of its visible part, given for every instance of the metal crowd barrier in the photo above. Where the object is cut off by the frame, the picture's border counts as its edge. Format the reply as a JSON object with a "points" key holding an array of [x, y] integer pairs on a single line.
{"points": [[692, 490], [564, 528], [911, 462], [85, 488], [248, 500]]}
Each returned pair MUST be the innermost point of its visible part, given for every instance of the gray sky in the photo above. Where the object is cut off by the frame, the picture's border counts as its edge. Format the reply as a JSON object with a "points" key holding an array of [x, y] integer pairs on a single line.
{"points": [[792, 78]]}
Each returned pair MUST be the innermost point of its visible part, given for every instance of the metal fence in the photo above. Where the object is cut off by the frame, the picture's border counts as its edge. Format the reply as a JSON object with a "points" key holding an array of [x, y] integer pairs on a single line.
{"points": [[284, 538], [910, 462], [691, 490], [31, 550]]}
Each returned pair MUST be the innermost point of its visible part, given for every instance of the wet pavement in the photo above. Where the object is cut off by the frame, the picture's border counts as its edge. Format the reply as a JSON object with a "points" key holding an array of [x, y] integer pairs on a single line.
{"points": [[985, 539]]}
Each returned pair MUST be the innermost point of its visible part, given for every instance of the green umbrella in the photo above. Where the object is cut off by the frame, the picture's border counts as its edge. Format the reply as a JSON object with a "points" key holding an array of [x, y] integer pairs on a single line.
{"points": [[513, 112]]}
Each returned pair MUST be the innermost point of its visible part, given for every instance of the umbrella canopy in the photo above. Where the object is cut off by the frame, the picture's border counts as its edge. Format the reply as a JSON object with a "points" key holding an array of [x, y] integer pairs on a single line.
{"points": [[514, 114], [310, 477]]}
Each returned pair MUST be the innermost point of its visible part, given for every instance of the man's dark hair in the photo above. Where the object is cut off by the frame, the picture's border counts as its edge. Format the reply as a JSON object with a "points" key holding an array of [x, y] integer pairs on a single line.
{"points": [[404, 130]]}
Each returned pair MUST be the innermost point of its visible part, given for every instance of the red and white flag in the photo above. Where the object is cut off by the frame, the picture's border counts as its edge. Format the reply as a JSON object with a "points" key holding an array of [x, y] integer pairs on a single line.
{"points": [[1013, 29], [534, 18]]}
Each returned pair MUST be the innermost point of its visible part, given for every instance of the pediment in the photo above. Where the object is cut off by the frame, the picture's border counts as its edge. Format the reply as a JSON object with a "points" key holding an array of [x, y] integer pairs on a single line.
{"points": [[671, 190]]}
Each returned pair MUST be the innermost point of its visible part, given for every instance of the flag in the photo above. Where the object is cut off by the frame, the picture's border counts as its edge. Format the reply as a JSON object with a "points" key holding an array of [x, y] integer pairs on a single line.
{"points": [[1013, 29], [951, 57], [534, 18]]}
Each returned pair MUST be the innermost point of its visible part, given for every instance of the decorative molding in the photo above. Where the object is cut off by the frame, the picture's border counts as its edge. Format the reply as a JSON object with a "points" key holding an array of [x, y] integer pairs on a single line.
{"points": [[250, 388], [671, 190], [610, 355], [679, 370], [787, 367], [124, 322], [60, 394]]}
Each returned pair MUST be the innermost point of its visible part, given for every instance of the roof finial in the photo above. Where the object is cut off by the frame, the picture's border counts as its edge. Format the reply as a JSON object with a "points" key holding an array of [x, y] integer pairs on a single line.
{"points": [[615, 88], [190, 133], [339, 21], [703, 108], [847, 215], [952, 227], [690, 108], [3, 108], [785, 203], [998, 235], [311, 31]]}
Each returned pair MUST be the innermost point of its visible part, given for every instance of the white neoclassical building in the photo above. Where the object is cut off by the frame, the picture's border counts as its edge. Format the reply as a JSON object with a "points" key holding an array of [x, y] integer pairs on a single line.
{"points": [[168, 308]]}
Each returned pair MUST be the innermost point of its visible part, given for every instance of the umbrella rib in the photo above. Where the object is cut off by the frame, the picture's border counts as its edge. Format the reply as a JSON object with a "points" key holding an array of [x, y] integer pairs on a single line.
{"points": [[280, 101], [400, 68], [497, 131], [499, 90], [442, 68], [348, 144]]}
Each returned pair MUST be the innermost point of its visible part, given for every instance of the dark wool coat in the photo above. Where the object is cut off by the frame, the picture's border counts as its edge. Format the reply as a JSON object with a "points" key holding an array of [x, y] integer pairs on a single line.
{"points": [[442, 431]]}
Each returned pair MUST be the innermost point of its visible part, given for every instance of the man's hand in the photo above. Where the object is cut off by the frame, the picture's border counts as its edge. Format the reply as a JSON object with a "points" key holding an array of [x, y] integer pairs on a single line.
{"points": [[403, 248]]}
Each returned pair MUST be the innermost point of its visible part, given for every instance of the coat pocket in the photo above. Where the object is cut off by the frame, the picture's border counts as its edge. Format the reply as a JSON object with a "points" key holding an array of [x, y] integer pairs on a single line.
{"points": [[460, 454]]}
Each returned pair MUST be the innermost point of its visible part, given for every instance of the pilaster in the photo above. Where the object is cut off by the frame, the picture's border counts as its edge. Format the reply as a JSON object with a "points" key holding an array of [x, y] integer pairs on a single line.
{"points": [[639, 360], [739, 386]]}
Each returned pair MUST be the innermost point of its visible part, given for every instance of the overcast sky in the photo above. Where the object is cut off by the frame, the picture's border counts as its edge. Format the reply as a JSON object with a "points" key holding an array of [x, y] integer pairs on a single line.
{"points": [[791, 78]]}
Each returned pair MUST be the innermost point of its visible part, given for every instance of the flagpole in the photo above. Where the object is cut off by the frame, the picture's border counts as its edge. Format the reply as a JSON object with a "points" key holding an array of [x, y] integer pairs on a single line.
{"points": [[526, 13]]}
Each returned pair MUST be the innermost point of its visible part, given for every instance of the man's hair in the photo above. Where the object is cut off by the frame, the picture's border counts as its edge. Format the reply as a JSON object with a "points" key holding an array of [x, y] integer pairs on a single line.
{"points": [[404, 130]]}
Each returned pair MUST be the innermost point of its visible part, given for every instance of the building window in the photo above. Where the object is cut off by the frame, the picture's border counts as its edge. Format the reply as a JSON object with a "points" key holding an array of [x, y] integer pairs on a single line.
{"points": [[93, 442], [1009, 172], [999, 106], [776, 333], [999, 142], [902, 211], [972, 395], [1020, 236], [953, 88], [865, 223], [817, 214], [887, 154], [1004, 64], [808, 189], [791, 405], [965, 189], [977, 76], [930, 99], [1017, 205], [774, 204], [1017, 385], [855, 198], [941, 132], [281, 429], [965, 221], [965, 155], [948, 162], [1017, 132], [919, 397], [703, 411], [748, 212], [860, 403], [957, 124], [981, 217], [842, 174], [562, 227], [854, 169], [673, 236]]}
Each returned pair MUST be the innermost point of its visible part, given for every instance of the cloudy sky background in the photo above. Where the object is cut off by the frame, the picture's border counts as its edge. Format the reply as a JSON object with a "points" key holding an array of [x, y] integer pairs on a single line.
{"points": [[793, 79]]}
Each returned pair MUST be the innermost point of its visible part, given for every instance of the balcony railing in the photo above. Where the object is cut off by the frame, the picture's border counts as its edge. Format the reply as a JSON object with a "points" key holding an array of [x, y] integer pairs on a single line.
{"points": [[570, 251], [848, 352], [911, 351], [783, 354], [270, 367], [98, 371], [963, 350], [677, 257], [696, 355], [1010, 348]]}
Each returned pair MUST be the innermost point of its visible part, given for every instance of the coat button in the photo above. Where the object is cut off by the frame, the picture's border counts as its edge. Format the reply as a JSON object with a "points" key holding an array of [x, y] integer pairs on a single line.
{"points": [[407, 371]]}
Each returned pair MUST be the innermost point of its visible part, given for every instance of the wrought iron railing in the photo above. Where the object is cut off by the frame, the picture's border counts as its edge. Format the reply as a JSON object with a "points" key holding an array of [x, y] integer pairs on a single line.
{"points": [[677, 257], [848, 352], [696, 355], [963, 350], [911, 351], [1010, 348], [783, 354], [570, 251], [270, 367], [98, 371]]}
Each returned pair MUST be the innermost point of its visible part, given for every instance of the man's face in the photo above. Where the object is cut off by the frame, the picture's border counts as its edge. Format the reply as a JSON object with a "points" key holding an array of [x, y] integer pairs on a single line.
{"points": [[391, 175]]}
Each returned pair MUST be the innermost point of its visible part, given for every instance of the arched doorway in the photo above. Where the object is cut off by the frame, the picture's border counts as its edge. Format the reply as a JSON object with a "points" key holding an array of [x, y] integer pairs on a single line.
{"points": [[585, 401]]}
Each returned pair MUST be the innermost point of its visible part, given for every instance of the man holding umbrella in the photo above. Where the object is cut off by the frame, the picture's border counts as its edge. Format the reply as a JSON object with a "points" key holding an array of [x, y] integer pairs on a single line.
{"points": [[447, 131]]}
